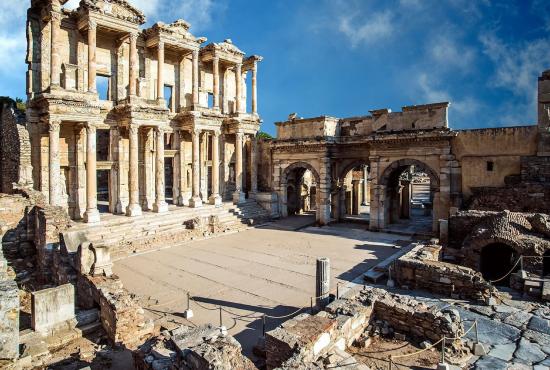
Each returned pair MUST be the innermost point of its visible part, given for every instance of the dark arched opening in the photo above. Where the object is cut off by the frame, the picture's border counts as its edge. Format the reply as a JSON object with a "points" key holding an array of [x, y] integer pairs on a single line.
{"points": [[497, 260], [354, 194], [546, 264]]}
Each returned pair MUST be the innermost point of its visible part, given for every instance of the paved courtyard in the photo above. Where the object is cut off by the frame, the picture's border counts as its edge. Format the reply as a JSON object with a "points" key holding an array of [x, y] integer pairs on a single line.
{"points": [[268, 270]]}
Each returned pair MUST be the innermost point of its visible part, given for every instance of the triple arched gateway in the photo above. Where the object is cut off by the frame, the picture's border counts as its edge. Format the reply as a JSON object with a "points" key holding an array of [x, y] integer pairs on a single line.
{"points": [[380, 176]]}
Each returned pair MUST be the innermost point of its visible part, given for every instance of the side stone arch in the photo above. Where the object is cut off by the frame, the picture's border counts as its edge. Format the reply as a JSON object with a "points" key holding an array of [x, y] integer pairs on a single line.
{"points": [[340, 198], [283, 183], [434, 177], [297, 165]]}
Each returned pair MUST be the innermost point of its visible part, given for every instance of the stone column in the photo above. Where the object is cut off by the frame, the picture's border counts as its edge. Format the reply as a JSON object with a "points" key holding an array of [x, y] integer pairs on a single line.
{"points": [[255, 88], [133, 208], [355, 201], [55, 57], [160, 71], [238, 87], [54, 165], [215, 198], [324, 189], [365, 185], [238, 196], [160, 205], [92, 214], [92, 30], [183, 198], [134, 68], [195, 78], [196, 200], [216, 71], [253, 166], [322, 286]]}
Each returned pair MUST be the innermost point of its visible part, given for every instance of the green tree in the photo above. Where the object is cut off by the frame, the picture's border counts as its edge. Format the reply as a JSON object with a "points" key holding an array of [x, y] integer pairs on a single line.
{"points": [[264, 135]]}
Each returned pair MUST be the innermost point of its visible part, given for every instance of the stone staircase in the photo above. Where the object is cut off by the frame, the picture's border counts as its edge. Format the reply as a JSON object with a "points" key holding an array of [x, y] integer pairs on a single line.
{"points": [[153, 230]]}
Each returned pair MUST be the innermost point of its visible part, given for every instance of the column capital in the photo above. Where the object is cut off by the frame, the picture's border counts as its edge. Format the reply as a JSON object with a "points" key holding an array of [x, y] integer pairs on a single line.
{"points": [[55, 16], [196, 131], [54, 126], [239, 135], [133, 36], [133, 129], [91, 128], [161, 46], [92, 25], [160, 130], [216, 133], [195, 54]]}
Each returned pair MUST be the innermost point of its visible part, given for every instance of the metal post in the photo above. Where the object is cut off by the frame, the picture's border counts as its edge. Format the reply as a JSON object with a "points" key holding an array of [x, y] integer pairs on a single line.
{"points": [[263, 325], [477, 335], [390, 363], [311, 305], [188, 303], [221, 323], [338, 290], [443, 351]]}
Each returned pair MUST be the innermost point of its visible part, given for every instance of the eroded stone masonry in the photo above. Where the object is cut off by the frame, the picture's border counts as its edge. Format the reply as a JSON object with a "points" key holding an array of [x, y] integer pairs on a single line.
{"points": [[135, 139]]}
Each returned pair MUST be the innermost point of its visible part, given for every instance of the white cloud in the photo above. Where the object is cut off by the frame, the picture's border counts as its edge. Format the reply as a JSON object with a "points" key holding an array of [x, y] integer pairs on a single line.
{"points": [[148, 7], [448, 53], [72, 4], [433, 94], [12, 37], [367, 30], [200, 13]]}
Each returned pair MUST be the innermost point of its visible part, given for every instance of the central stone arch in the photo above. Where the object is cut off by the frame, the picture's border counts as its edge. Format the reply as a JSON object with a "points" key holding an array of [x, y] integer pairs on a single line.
{"points": [[297, 168], [382, 194], [358, 194]]}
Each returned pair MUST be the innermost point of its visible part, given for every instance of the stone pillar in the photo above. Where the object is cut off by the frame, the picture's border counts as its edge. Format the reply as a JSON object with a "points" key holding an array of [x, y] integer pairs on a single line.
{"points": [[195, 78], [253, 166], [322, 287], [54, 164], [160, 205], [365, 185], [183, 198], [216, 71], [196, 200], [255, 88], [92, 214], [215, 198], [238, 196], [160, 71], [325, 185], [238, 87], [55, 57], [133, 208], [181, 85], [92, 30], [134, 68]]}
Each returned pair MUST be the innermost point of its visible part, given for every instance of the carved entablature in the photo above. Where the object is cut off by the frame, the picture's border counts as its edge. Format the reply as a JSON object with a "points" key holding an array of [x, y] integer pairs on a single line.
{"points": [[142, 115], [194, 120], [225, 51], [232, 125], [116, 15], [250, 62], [175, 35]]}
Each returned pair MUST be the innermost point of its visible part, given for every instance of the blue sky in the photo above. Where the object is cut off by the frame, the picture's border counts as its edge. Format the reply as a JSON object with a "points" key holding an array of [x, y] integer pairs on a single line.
{"points": [[346, 57]]}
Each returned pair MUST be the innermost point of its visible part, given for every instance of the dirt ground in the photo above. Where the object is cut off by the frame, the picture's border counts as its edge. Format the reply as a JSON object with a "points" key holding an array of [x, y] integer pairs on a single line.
{"points": [[377, 354], [259, 271]]}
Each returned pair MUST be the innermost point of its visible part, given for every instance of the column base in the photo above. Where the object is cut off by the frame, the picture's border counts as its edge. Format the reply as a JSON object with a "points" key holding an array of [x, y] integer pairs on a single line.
{"points": [[252, 194], [239, 197], [160, 207], [183, 200], [195, 202], [215, 200], [91, 216], [133, 210]]}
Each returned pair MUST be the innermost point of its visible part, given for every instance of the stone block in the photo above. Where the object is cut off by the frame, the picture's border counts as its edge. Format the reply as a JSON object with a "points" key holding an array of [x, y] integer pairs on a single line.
{"points": [[53, 309], [9, 320]]}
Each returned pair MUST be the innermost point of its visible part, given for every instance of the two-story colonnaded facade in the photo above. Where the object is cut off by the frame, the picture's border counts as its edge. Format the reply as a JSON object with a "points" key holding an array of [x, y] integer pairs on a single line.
{"points": [[135, 117]]}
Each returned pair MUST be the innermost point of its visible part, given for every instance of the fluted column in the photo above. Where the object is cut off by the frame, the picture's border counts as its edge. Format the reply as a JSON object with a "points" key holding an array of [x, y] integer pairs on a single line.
{"points": [[92, 31], [195, 77], [92, 214], [255, 88], [238, 87], [216, 71], [215, 198], [160, 71], [133, 208], [54, 169], [133, 64], [181, 162], [238, 196], [253, 165], [55, 57], [196, 200], [160, 205]]}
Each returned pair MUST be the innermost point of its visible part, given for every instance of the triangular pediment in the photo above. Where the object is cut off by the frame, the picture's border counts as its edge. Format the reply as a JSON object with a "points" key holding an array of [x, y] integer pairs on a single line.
{"points": [[120, 9]]}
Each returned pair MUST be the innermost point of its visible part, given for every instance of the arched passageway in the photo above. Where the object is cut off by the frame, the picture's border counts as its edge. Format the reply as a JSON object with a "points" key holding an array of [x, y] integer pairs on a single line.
{"points": [[546, 264], [409, 197], [300, 183], [496, 261], [354, 192]]}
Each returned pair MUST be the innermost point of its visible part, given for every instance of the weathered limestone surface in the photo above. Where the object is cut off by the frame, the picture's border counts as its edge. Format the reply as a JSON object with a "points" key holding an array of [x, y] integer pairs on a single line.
{"points": [[53, 309], [9, 316]]}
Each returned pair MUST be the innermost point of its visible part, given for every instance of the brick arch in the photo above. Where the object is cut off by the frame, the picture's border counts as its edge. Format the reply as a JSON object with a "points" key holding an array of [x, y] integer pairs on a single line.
{"points": [[434, 177], [297, 165]]}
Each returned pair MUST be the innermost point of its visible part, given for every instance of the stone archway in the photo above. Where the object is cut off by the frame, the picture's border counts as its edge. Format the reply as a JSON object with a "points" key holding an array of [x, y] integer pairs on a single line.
{"points": [[391, 198], [497, 260], [353, 194], [296, 169]]}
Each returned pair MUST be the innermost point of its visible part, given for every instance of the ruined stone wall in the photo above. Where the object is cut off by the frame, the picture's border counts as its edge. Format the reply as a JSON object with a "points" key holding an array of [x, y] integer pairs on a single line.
{"points": [[265, 166], [488, 156], [15, 148], [421, 269], [308, 128]]}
